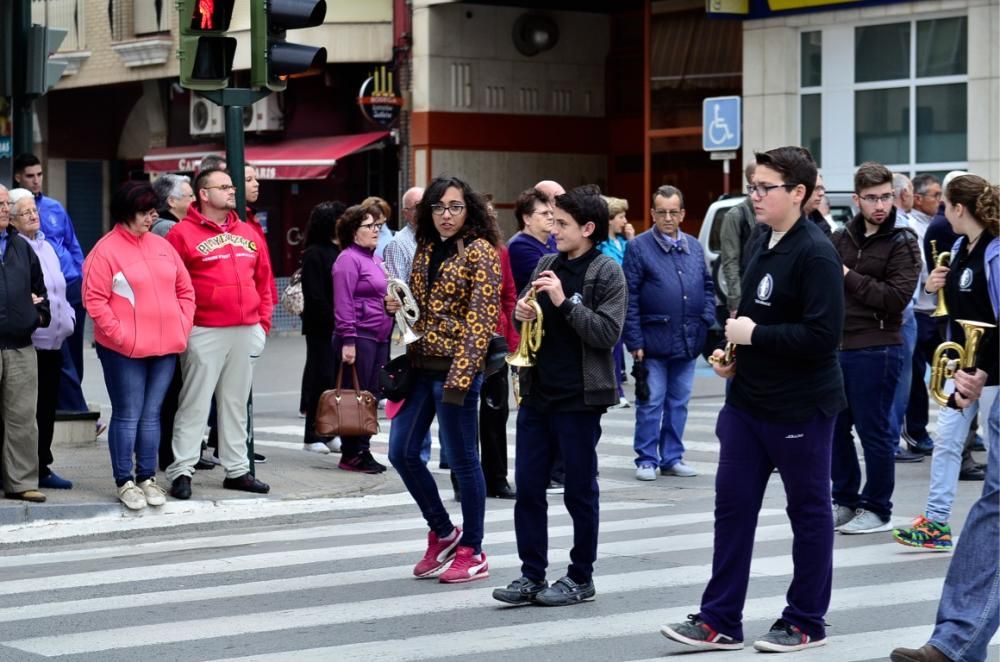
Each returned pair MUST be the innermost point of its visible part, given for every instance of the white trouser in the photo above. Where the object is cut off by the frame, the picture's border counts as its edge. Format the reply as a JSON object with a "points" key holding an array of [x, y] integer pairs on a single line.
{"points": [[217, 361]]}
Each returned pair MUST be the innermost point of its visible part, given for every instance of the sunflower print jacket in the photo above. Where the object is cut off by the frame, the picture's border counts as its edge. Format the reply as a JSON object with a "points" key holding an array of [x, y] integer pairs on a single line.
{"points": [[457, 315]]}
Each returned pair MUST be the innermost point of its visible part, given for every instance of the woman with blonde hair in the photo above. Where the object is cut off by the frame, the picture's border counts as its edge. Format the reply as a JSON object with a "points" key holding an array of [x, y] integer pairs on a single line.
{"points": [[620, 231]]}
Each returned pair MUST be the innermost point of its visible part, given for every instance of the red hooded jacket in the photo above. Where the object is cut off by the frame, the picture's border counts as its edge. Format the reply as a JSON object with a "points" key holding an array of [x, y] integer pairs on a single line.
{"points": [[230, 273]]}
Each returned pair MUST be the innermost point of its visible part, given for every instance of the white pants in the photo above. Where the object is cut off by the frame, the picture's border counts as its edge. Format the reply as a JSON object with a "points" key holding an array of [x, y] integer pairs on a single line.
{"points": [[217, 361]]}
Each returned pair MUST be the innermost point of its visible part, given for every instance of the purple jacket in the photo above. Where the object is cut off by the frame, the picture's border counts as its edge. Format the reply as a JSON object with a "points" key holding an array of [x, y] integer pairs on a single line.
{"points": [[359, 286], [63, 321]]}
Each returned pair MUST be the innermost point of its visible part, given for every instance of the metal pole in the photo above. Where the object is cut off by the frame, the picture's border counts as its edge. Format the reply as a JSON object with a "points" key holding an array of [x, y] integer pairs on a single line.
{"points": [[20, 111], [235, 158], [725, 176]]}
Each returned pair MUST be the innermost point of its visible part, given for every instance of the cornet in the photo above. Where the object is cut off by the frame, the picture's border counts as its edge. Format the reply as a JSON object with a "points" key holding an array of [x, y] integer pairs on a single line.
{"points": [[727, 358], [944, 368], [531, 336], [408, 313], [941, 260]]}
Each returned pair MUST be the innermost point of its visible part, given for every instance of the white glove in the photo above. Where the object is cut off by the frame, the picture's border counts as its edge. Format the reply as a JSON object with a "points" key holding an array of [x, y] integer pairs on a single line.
{"points": [[740, 330]]}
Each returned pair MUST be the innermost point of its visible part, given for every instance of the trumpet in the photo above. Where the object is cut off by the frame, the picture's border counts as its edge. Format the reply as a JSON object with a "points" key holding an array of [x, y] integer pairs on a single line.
{"points": [[531, 336], [944, 368], [727, 358], [408, 313], [941, 260]]}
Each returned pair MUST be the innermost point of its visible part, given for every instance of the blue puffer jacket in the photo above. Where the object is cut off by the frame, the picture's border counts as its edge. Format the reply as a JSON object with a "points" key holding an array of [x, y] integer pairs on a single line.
{"points": [[671, 300]]}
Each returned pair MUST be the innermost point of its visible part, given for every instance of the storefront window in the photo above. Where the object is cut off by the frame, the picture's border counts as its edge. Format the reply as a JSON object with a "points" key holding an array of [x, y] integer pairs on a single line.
{"points": [[942, 116], [812, 59], [881, 52], [941, 47], [882, 125]]}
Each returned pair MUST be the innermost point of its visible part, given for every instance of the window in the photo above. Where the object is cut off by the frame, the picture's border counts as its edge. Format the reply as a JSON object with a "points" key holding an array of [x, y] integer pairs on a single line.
{"points": [[812, 59], [811, 107], [812, 121]]}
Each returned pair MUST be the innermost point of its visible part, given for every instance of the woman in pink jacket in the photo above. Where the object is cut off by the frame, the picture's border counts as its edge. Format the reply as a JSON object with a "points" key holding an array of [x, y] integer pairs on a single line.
{"points": [[139, 294]]}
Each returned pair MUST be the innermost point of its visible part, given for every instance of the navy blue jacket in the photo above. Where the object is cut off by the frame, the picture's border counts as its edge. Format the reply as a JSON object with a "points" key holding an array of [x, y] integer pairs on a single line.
{"points": [[20, 277], [671, 299]]}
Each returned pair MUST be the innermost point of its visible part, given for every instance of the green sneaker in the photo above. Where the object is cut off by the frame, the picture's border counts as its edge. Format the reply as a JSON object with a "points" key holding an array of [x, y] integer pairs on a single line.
{"points": [[925, 534]]}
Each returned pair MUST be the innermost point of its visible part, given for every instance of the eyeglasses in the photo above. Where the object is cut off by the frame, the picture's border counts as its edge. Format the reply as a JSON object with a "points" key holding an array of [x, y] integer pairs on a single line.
{"points": [[543, 212], [225, 188], [663, 213], [885, 198], [454, 209], [374, 227], [763, 189], [27, 213]]}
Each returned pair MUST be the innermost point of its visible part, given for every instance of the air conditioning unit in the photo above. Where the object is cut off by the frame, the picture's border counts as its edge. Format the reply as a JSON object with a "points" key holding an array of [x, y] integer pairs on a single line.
{"points": [[264, 115], [206, 118]]}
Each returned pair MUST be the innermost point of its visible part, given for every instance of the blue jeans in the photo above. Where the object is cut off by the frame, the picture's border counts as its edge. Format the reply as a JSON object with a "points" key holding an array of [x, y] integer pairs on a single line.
{"points": [[969, 612], [917, 405], [458, 432], [659, 421], [870, 378], [909, 333], [136, 388], [952, 429]]}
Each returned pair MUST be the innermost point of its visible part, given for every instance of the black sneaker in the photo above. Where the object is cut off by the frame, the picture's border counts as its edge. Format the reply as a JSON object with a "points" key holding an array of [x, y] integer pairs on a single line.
{"points": [[564, 592], [696, 632], [181, 487], [246, 483], [363, 463], [521, 591], [259, 459], [786, 638]]}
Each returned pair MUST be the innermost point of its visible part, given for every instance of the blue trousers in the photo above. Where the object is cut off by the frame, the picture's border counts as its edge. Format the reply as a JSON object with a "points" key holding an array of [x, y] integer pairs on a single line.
{"points": [[917, 406], [458, 432], [902, 396], [539, 437], [750, 449], [870, 378], [660, 420], [969, 612], [136, 388]]}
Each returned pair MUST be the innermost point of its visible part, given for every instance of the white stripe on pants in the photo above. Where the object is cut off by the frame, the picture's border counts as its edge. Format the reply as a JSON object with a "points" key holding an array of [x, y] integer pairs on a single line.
{"points": [[216, 361]]}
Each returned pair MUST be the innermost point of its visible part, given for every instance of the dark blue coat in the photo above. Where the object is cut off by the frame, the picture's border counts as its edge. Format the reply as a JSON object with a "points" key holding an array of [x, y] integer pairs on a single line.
{"points": [[671, 300]]}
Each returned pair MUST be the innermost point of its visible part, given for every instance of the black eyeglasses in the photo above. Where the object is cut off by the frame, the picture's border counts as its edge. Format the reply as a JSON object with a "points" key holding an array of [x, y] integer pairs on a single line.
{"points": [[763, 189], [455, 209], [375, 227], [663, 213], [885, 198]]}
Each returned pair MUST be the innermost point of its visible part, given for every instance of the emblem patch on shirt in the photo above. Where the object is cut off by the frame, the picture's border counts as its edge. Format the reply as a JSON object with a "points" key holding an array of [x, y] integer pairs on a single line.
{"points": [[965, 280], [764, 288], [576, 298]]}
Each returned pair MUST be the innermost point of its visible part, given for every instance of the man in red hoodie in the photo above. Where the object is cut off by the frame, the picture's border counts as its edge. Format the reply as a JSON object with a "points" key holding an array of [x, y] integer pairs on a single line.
{"points": [[233, 302]]}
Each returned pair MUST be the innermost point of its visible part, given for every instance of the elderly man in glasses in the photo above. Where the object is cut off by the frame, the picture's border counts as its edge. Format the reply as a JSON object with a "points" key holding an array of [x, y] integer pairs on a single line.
{"points": [[231, 277], [881, 268], [671, 304]]}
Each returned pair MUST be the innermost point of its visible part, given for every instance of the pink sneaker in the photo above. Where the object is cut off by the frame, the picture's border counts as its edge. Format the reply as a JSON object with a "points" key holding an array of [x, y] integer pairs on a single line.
{"points": [[439, 552], [467, 567]]}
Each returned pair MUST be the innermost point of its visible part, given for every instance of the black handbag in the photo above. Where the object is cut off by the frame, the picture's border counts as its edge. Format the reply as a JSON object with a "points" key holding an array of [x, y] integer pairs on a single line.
{"points": [[396, 378], [496, 356]]}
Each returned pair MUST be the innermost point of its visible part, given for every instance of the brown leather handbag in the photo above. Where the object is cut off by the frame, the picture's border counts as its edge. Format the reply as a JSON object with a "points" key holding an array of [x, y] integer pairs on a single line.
{"points": [[346, 413]]}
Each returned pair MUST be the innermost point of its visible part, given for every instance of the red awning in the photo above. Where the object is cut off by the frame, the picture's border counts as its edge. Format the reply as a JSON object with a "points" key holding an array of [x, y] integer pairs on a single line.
{"points": [[305, 158]]}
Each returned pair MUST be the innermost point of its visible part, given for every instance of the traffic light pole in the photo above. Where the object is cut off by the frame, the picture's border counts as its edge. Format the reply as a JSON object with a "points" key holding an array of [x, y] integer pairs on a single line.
{"points": [[20, 111]]}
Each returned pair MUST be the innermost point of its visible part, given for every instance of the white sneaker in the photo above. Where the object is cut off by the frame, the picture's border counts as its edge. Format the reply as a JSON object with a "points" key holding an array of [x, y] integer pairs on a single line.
{"points": [[334, 445], [623, 403], [131, 496], [841, 516], [865, 521], [155, 495], [316, 447], [679, 469], [645, 472]]}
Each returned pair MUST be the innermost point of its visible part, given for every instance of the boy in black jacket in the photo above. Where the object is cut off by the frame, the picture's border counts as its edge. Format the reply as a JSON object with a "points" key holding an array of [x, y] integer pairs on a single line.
{"points": [[780, 412], [583, 297]]}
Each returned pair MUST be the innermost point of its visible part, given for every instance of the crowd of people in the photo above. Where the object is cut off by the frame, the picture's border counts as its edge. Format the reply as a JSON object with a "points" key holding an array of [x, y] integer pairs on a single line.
{"points": [[821, 332]]}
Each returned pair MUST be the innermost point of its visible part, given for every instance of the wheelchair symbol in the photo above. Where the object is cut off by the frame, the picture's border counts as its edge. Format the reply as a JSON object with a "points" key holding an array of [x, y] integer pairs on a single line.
{"points": [[718, 130]]}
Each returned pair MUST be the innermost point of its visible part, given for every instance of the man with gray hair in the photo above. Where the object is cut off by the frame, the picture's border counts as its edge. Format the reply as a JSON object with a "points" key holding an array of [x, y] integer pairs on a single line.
{"points": [[24, 307], [176, 195], [902, 191], [400, 251]]}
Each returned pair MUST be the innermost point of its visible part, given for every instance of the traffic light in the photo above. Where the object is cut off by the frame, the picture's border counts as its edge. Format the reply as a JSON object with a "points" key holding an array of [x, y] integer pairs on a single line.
{"points": [[273, 60], [42, 73], [206, 54]]}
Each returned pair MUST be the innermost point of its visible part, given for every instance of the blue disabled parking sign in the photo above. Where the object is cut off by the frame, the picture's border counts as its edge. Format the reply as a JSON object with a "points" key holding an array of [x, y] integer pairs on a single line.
{"points": [[720, 124]]}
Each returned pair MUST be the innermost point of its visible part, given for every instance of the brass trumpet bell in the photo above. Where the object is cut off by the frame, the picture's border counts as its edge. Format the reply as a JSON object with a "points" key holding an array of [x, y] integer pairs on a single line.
{"points": [[944, 368], [531, 337], [940, 260], [409, 313], [727, 357]]}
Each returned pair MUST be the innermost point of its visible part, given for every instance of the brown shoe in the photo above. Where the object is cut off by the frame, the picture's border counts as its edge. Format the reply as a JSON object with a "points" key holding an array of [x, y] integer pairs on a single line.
{"points": [[29, 495], [925, 653]]}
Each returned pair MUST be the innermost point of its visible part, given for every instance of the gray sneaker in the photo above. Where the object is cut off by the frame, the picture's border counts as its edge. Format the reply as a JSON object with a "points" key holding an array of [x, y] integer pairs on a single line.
{"points": [[786, 638], [679, 469], [841, 516], [696, 632], [865, 521], [564, 592]]}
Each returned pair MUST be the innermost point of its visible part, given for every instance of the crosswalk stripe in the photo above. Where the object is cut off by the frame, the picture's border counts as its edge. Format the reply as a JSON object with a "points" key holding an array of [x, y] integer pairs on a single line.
{"points": [[270, 560], [472, 597], [547, 632], [556, 509]]}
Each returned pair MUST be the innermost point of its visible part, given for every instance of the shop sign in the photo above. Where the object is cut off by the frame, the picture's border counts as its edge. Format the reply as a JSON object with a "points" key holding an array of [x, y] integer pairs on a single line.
{"points": [[378, 99]]}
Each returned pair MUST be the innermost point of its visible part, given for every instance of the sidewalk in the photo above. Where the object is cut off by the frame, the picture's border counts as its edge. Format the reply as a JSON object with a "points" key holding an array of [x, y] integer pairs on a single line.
{"points": [[292, 473]]}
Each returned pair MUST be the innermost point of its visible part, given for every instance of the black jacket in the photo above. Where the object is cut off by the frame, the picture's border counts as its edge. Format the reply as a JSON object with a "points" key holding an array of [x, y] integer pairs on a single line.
{"points": [[20, 277], [317, 289], [794, 294]]}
